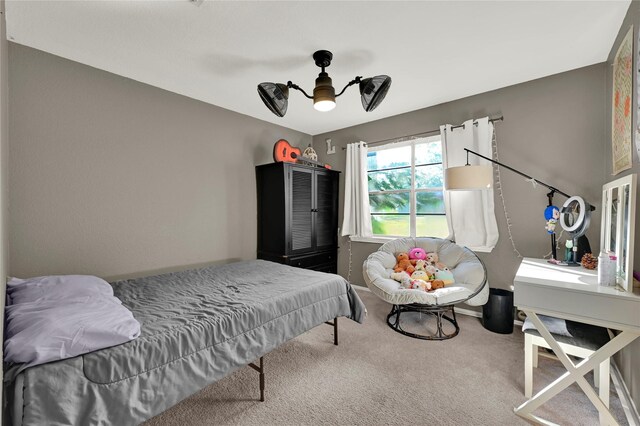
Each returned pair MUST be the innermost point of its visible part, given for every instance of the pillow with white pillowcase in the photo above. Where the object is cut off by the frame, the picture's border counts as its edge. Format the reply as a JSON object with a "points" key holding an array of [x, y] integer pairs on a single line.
{"points": [[56, 287]]}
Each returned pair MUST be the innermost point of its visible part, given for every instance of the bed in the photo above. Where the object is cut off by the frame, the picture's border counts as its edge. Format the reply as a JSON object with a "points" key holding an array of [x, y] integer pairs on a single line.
{"points": [[197, 327]]}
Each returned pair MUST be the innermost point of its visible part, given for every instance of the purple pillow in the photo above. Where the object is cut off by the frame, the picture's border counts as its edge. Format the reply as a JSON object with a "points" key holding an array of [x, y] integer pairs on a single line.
{"points": [[62, 316], [50, 330], [56, 287]]}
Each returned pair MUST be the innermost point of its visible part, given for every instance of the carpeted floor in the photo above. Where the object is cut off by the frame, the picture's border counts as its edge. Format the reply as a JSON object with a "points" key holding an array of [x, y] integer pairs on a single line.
{"points": [[379, 377]]}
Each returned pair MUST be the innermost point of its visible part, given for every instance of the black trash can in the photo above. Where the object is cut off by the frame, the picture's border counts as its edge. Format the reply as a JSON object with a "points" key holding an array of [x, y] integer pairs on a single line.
{"points": [[497, 314]]}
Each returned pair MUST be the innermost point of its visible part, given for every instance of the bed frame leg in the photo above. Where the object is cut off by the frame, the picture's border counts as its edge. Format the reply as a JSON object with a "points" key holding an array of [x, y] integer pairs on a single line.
{"points": [[335, 330], [261, 379], [260, 370]]}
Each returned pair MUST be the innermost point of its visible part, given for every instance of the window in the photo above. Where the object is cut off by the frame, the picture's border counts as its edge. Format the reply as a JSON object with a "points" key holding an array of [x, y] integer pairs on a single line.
{"points": [[406, 191]]}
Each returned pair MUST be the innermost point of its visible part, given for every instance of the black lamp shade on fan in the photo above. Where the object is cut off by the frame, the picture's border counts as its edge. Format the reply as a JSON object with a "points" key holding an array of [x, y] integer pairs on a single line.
{"points": [[275, 96], [373, 90]]}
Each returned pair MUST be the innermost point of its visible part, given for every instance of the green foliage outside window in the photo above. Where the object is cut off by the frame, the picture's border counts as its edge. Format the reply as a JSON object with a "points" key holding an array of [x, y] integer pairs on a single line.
{"points": [[391, 171]]}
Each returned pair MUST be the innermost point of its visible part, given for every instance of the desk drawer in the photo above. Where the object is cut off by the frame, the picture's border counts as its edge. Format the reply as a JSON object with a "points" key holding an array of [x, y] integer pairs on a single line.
{"points": [[591, 308]]}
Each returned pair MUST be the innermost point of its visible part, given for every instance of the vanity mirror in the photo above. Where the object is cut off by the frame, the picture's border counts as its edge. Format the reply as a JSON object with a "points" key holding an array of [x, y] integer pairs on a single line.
{"points": [[618, 225]]}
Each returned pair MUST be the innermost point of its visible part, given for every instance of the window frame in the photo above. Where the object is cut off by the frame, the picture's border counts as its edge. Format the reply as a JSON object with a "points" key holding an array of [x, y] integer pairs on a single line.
{"points": [[413, 191]]}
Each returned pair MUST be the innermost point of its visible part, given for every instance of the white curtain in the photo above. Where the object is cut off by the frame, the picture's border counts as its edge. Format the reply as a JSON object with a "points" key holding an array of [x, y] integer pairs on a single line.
{"points": [[357, 215], [470, 214]]}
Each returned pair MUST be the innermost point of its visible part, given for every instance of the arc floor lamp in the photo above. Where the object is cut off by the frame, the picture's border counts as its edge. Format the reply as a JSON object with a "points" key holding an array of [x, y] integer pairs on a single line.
{"points": [[575, 214]]}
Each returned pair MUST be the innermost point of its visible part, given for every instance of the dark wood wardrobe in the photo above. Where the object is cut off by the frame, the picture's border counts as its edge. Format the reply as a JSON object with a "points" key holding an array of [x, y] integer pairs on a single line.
{"points": [[298, 215]]}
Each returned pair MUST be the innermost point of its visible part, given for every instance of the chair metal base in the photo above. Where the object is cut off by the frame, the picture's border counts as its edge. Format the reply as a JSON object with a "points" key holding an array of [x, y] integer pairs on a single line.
{"points": [[437, 311]]}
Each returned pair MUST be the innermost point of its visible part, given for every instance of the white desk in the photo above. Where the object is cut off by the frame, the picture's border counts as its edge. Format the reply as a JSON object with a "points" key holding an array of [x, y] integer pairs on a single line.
{"points": [[573, 293]]}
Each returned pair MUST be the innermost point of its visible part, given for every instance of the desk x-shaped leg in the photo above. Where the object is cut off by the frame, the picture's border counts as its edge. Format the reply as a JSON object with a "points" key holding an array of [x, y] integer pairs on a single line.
{"points": [[575, 373]]}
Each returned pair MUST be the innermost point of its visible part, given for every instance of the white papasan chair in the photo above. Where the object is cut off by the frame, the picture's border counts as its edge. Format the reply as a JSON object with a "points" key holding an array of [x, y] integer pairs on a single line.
{"points": [[470, 283]]}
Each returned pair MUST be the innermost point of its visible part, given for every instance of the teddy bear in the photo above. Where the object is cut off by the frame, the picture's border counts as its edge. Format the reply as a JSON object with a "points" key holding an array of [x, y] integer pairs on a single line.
{"points": [[436, 284], [416, 254], [432, 258], [403, 278], [404, 264]]}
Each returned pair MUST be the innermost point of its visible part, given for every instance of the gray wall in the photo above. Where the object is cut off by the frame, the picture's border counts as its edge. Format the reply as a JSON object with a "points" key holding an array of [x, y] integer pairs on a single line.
{"points": [[553, 129], [628, 359], [112, 177]]}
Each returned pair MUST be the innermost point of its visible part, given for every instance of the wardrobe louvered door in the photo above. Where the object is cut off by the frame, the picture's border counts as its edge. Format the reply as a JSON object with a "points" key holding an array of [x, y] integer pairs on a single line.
{"points": [[301, 210], [298, 215], [326, 218]]}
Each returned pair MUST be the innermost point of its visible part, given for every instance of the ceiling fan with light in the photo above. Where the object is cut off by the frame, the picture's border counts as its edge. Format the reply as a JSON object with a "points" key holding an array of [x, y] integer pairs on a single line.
{"points": [[372, 90]]}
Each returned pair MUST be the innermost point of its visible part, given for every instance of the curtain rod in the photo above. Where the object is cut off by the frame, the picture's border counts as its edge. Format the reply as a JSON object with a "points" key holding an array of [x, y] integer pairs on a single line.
{"points": [[492, 120]]}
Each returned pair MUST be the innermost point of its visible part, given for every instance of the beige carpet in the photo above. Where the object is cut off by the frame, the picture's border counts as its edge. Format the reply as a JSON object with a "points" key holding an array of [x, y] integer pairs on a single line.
{"points": [[379, 377]]}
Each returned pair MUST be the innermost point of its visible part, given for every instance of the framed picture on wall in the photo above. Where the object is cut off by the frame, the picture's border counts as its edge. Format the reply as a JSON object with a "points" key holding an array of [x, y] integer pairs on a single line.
{"points": [[622, 95], [637, 84]]}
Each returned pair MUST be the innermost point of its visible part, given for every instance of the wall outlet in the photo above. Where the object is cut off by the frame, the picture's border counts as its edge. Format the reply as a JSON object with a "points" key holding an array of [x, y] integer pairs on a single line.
{"points": [[330, 148]]}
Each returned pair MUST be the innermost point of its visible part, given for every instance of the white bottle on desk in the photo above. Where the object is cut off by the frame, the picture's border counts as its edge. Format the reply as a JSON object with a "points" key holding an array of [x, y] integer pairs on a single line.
{"points": [[612, 270], [603, 264]]}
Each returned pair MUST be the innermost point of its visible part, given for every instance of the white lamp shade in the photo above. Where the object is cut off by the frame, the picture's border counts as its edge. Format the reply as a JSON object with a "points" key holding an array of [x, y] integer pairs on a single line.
{"points": [[468, 178]]}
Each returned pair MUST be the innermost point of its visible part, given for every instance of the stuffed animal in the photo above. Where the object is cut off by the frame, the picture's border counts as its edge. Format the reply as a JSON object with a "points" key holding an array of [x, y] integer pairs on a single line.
{"points": [[436, 284], [416, 254], [421, 265], [403, 264], [403, 278], [420, 285], [445, 276], [420, 275], [432, 258], [431, 270], [399, 276]]}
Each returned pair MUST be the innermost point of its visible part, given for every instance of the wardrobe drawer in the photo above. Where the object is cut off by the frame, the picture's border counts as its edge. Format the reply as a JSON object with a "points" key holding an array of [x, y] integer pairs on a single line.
{"points": [[312, 260], [331, 268]]}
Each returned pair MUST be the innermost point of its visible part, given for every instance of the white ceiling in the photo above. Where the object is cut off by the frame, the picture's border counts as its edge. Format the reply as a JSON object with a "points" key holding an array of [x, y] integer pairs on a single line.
{"points": [[218, 52]]}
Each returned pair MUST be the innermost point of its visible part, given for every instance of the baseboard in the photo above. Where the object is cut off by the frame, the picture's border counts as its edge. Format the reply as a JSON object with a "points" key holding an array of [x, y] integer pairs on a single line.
{"points": [[462, 311], [477, 314], [468, 312], [360, 287], [630, 410]]}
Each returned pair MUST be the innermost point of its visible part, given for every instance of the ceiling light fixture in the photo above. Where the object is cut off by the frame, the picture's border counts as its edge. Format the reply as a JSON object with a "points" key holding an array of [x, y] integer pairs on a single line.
{"points": [[372, 90]]}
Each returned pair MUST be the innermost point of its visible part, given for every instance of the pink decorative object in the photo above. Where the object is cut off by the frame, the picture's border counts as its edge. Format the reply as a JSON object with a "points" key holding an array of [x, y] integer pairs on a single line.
{"points": [[417, 254]]}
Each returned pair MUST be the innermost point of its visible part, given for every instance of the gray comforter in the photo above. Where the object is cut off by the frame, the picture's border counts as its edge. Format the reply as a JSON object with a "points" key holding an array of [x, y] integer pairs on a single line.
{"points": [[197, 327]]}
